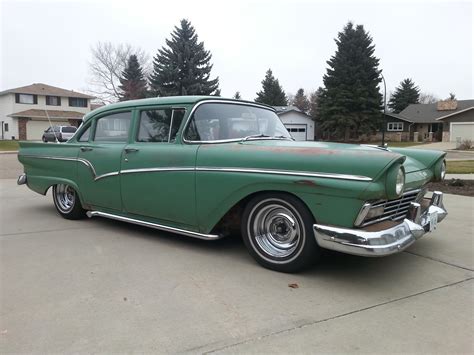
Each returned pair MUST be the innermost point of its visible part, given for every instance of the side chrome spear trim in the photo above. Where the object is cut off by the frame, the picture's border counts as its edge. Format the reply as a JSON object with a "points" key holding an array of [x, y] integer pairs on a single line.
{"points": [[211, 169]]}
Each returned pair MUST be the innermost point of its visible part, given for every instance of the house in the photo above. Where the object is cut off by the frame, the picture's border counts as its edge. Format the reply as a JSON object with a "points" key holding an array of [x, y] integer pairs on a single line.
{"points": [[446, 121], [299, 124], [27, 111]]}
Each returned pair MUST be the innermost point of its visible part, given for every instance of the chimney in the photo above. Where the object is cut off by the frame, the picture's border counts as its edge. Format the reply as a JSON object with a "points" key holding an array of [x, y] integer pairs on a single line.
{"points": [[447, 105]]}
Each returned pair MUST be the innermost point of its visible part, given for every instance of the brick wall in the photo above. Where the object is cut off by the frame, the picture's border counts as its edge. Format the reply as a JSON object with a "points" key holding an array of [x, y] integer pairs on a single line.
{"points": [[22, 128]]}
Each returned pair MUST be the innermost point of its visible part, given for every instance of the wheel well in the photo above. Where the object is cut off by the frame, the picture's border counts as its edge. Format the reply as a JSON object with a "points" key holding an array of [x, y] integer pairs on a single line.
{"points": [[230, 222]]}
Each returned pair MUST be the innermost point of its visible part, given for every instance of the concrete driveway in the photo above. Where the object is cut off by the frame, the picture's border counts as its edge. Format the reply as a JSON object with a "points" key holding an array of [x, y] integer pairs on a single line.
{"points": [[103, 286]]}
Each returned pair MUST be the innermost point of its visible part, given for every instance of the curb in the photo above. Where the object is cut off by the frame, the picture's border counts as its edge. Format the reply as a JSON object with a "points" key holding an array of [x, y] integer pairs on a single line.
{"points": [[9, 152]]}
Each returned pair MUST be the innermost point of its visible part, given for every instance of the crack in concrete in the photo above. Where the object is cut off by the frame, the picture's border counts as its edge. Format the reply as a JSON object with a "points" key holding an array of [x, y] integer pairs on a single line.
{"points": [[247, 341], [5, 236], [438, 260]]}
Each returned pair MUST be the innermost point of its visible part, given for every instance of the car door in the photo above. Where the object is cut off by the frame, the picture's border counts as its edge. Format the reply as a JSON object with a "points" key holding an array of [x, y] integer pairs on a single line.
{"points": [[100, 158], [158, 172]]}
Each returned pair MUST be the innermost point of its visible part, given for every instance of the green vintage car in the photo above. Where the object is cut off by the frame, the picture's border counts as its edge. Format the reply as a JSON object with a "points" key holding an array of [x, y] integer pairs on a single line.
{"points": [[203, 166]]}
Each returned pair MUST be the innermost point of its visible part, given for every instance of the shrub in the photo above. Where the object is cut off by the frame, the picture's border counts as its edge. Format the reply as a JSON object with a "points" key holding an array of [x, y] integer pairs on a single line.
{"points": [[466, 144]]}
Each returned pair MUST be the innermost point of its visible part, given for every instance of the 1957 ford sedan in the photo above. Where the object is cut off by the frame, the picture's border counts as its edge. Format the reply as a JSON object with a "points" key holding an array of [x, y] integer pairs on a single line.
{"points": [[200, 166]]}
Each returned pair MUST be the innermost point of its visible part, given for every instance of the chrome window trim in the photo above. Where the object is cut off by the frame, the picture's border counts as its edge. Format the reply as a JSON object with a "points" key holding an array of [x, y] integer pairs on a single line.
{"points": [[212, 169], [210, 101]]}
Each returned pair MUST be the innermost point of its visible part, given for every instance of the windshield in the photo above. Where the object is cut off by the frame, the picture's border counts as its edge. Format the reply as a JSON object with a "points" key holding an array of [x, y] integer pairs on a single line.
{"points": [[222, 121]]}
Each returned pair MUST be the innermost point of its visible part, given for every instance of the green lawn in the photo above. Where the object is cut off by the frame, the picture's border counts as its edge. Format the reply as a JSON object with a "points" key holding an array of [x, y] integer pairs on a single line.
{"points": [[460, 167], [8, 145]]}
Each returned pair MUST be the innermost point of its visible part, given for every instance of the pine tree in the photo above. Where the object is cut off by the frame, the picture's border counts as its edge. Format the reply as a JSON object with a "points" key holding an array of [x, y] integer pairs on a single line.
{"points": [[132, 82], [184, 66], [272, 93], [314, 99], [405, 94], [301, 101], [351, 101], [237, 95]]}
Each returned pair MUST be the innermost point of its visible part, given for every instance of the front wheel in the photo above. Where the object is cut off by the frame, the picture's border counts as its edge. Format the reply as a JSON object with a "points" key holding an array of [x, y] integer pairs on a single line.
{"points": [[44, 139], [67, 202], [278, 232]]}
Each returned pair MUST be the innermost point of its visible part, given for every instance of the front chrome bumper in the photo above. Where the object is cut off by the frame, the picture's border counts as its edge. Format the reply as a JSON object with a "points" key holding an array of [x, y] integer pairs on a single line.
{"points": [[387, 241]]}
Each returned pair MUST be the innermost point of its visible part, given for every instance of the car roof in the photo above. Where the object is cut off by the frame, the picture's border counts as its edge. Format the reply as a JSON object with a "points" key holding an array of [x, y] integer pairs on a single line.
{"points": [[169, 100]]}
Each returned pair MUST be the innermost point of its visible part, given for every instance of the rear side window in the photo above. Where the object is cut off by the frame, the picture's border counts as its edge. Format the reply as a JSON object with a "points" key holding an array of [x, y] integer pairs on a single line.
{"points": [[113, 128]]}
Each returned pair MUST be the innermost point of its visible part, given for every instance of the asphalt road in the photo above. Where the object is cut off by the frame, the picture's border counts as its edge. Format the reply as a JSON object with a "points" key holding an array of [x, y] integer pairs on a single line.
{"points": [[103, 286]]}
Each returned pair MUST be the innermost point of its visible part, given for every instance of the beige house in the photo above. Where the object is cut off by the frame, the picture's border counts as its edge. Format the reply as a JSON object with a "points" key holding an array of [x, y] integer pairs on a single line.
{"points": [[27, 111]]}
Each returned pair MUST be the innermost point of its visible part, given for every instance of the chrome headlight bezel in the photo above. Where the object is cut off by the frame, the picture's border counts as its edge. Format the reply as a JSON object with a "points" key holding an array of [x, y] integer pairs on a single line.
{"points": [[443, 170]]}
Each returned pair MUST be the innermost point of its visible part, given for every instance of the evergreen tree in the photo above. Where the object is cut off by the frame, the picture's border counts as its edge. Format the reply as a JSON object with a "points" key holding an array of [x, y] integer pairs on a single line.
{"points": [[405, 94], [184, 66], [301, 101], [237, 95], [351, 101], [132, 82], [314, 98], [272, 93]]}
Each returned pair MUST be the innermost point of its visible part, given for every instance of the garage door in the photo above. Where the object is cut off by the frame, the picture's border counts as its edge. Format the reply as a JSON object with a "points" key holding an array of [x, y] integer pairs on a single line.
{"points": [[35, 129], [462, 131], [297, 131]]}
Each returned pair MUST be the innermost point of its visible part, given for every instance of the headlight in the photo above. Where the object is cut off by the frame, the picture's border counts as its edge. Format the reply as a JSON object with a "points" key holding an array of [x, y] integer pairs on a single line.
{"points": [[400, 183], [443, 170], [439, 170]]}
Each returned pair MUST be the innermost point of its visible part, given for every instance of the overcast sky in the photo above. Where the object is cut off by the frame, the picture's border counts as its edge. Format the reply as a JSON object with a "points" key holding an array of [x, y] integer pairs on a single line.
{"points": [[430, 42]]}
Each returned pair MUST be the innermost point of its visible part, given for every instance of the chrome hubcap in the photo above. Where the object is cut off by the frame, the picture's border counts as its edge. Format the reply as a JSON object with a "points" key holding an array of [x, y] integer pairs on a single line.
{"points": [[276, 230], [65, 197]]}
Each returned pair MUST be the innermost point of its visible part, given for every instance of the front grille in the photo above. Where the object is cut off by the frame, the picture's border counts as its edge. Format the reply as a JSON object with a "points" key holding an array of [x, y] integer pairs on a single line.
{"points": [[394, 210]]}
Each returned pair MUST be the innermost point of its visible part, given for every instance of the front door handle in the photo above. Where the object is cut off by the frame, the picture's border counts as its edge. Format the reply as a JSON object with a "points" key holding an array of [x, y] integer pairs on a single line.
{"points": [[131, 150], [85, 149]]}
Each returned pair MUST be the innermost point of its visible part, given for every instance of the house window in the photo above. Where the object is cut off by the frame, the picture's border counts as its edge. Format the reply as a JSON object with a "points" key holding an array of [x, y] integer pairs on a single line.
{"points": [[6, 127], [28, 99], [53, 101], [77, 102], [395, 126]]}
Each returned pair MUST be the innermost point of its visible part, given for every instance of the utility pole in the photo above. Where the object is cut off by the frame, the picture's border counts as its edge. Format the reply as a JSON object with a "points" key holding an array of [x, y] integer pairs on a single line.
{"points": [[384, 109]]}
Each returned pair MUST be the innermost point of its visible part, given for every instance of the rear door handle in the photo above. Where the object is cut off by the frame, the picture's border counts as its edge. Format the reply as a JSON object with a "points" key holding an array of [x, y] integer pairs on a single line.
{"points": [[85, 149], [131, 150]]}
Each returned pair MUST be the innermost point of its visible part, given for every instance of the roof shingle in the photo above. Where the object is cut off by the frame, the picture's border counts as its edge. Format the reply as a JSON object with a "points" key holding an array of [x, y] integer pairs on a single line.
{"points": [[52, 114], [43, 89], [427, 113]]}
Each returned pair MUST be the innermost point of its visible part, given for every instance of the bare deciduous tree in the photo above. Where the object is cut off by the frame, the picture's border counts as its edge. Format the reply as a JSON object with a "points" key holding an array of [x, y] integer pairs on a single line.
{"points": [[427, 98], [106, 67]]}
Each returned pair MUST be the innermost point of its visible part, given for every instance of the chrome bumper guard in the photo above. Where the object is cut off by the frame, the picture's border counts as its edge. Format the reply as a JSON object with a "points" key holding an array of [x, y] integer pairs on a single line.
{"points": [[21, 179], [384, 242]]}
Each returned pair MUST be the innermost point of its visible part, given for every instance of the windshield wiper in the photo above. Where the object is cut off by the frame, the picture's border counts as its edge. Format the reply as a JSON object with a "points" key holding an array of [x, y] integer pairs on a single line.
{"points": [[254, 136], [283, 137]]}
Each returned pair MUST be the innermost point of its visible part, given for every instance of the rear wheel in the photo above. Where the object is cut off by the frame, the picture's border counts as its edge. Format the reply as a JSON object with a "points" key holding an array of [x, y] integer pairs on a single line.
{"points": [[44, 139], [67, 202], [278, 232]]}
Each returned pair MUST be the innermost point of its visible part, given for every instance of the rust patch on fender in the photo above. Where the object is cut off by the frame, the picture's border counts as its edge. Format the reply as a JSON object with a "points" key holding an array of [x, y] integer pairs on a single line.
{"points": [[306, 183]]}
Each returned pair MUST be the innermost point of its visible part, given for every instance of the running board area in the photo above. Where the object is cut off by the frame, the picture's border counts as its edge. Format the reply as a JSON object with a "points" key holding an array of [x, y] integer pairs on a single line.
{"points": [[161, 227]]}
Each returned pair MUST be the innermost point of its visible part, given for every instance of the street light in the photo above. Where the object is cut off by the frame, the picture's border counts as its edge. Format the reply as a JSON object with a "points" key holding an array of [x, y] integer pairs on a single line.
{"points": [[384, 108]]}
